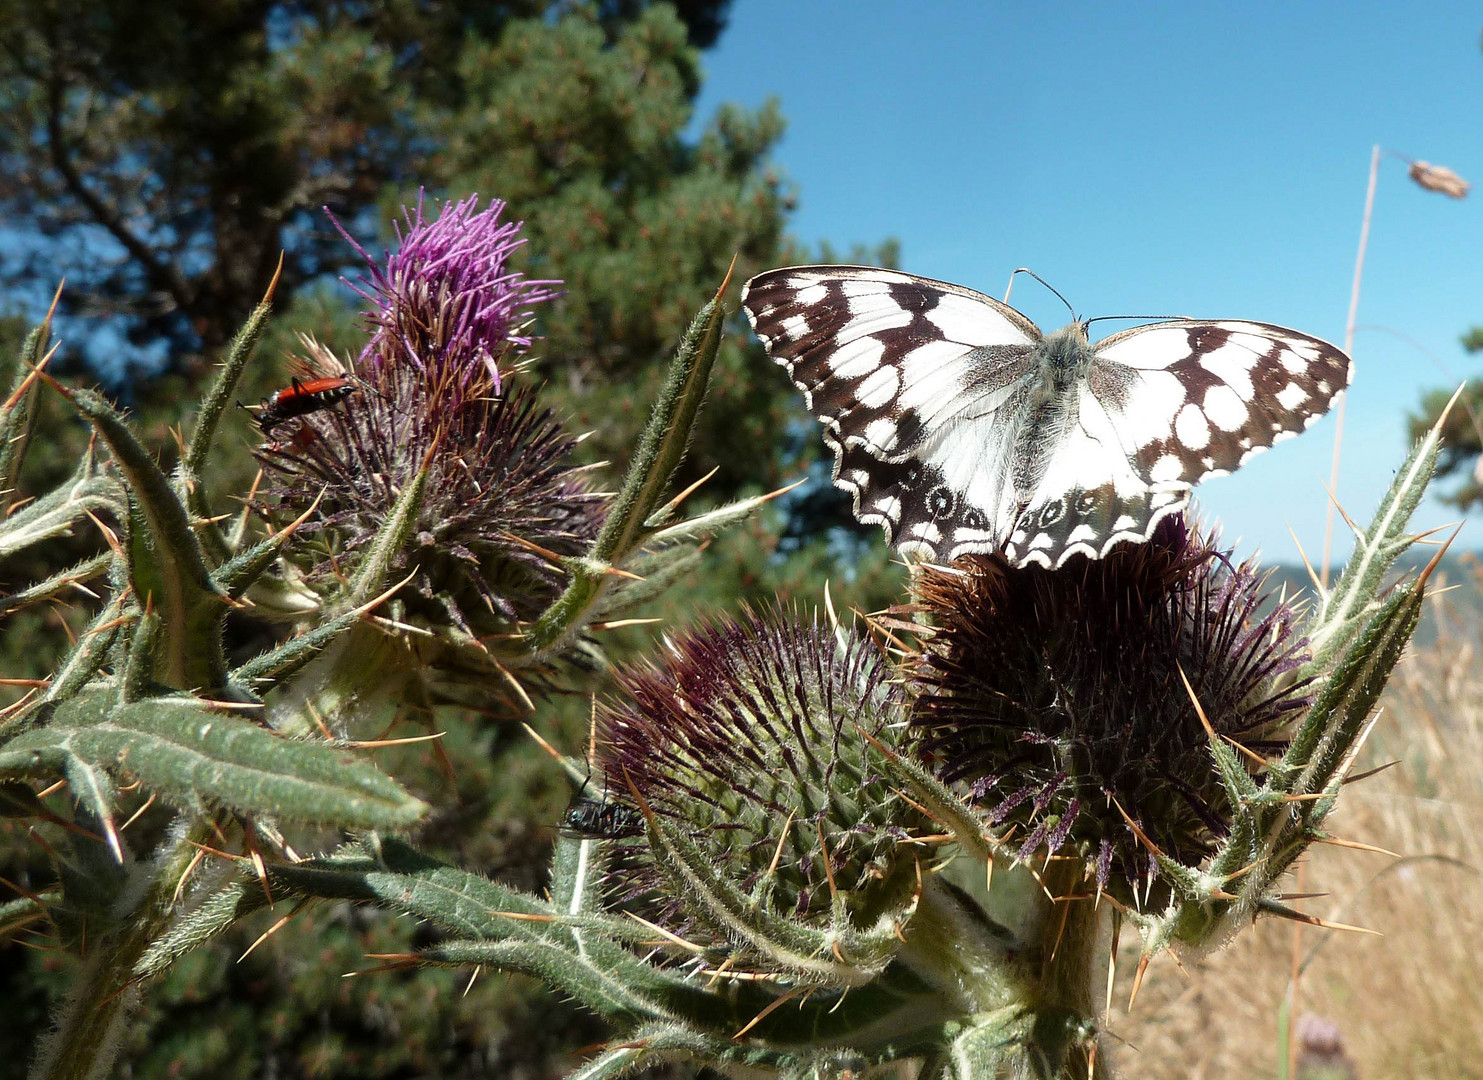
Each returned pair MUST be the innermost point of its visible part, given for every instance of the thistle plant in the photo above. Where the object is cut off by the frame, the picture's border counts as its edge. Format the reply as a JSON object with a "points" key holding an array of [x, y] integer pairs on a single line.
{"points": [[798, 846], [1064, 702], [817, 849], [441, 409], [422, 538]]}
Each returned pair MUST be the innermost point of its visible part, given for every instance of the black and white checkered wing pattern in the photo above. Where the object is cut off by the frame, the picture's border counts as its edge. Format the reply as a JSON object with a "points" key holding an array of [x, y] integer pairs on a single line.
{"points": [[1163, 407], [959, 428], [914, 381]]}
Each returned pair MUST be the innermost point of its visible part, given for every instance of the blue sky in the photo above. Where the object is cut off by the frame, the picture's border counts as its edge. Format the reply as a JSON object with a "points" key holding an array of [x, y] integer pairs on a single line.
{"points": [[1195, 159]]}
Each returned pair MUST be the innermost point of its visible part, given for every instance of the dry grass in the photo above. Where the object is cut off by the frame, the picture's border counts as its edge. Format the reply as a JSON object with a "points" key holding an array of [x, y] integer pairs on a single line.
{"points": [[1408, 1004]]}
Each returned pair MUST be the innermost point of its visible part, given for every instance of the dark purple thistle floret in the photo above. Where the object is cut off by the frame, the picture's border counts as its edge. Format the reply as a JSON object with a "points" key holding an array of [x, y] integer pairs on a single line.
{"points": [[1057, 699], [749, 738]]}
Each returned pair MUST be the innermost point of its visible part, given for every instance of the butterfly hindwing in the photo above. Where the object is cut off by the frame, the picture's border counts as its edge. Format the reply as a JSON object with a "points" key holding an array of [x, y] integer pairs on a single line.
{"points": [[1091, 495], [1164, 407], [1202, 398]]}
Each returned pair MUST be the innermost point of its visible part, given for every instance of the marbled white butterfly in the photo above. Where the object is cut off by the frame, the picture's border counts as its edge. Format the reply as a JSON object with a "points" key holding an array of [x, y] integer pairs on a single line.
{"points": [[959, 427]]}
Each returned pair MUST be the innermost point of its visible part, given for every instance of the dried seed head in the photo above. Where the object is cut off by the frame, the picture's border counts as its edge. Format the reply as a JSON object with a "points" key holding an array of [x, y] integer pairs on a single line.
{"points": [[503, 499], [1439, 178], [1056, 697], [748, 738]]}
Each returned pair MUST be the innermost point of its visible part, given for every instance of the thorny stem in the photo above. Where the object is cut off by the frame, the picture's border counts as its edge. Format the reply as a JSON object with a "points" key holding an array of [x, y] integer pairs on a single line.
{"points": [[1069, 939], [90, 1025], [1038, 990]]}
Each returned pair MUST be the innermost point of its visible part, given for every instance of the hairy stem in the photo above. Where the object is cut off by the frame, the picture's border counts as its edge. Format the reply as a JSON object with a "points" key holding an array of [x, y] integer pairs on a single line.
{"points": [[90, 1025], [1069, 940]]}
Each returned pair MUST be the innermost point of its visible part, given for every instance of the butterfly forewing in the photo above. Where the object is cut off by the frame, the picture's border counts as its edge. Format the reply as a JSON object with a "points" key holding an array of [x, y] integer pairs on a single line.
{"points": [[912, 379], [954, 427], [1203, 397], [883, 356]]}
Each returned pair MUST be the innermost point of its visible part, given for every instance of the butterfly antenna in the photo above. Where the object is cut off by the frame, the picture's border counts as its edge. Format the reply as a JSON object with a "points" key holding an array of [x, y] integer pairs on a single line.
{"points": [[1136, 318], [1037, 277]]}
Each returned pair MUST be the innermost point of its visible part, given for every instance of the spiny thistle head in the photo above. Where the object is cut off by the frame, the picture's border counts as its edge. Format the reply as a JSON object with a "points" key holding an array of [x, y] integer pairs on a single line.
{"points": [[448, 326], [750, 739], [1058, 697]]}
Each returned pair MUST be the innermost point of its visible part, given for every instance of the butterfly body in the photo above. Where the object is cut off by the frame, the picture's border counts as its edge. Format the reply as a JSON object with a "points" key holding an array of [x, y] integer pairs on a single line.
{"points": [[1057, 365], [959, 427]]}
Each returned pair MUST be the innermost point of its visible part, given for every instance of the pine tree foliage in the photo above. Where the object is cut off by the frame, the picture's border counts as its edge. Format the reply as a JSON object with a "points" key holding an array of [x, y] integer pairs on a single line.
{"points": [[161, 153], [587, 141], [1461, 457]]}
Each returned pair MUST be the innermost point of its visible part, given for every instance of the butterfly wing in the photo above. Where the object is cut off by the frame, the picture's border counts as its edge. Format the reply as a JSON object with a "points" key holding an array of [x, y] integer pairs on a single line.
{"points": [[912, 379], [1165, 406]]}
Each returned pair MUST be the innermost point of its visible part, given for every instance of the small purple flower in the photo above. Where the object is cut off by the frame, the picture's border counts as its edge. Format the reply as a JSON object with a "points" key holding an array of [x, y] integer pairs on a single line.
{"points": [[447, 301], [1058, 697]]}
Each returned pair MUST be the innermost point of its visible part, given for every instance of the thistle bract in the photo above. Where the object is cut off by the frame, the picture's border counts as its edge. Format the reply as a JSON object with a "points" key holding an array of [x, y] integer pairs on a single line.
{"points": [[1058, 697], [750, 739]]}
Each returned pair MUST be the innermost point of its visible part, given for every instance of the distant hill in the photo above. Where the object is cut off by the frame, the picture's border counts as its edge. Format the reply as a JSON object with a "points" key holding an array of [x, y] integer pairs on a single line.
{"points": [[1459, 610]]}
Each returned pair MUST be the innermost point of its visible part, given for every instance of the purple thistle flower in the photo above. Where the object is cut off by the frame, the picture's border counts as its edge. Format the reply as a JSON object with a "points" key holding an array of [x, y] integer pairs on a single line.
{"points": [[503, 495], [447, 302], [1058, 697]]}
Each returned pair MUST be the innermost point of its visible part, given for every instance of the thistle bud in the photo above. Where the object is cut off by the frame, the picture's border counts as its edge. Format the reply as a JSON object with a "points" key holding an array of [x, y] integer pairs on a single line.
{"points": [[1058, 697], [749, 739]]}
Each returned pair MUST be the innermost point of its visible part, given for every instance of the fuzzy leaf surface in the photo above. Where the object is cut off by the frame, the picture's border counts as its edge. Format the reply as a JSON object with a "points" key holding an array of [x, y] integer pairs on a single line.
{"points": [[193, 755], [61, 510], [659, 452], [167, 567], [17, 419]]}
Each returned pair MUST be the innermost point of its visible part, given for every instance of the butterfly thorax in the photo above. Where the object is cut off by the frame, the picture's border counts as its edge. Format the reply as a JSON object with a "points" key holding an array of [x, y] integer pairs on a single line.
{"points": [[1057, 368]]}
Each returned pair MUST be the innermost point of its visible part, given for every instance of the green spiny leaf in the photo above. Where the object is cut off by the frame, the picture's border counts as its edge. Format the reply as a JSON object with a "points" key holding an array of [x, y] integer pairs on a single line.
{"points": [[1341, 613], [18, 914], [938, 800], [238, 574], [663, 443], [217, 400], [659, 452], [600, 988], [1326, 733], [392, 539], [18, 412], [73, 578], [807, 953], [193, 755], [215, 915], [90, 785], [167, 567], [279, 663], [56, 513]]}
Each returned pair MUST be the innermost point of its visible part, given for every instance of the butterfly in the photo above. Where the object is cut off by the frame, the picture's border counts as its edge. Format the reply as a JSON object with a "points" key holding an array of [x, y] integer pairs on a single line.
{"points": [[959, 427]]}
